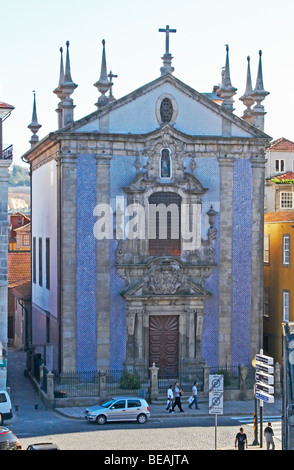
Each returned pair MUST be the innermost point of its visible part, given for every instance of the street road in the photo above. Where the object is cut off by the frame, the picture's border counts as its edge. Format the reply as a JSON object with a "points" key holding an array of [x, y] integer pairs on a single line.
{"points": [[187, 433]]}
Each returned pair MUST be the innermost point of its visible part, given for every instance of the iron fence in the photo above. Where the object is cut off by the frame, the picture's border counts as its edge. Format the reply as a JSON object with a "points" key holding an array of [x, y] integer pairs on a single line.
{"points": [[76, 384], [132, 381]]}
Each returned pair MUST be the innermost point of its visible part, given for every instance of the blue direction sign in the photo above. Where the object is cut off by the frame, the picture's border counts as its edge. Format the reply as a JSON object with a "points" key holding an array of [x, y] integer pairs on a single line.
{"points": [[265, 397]]}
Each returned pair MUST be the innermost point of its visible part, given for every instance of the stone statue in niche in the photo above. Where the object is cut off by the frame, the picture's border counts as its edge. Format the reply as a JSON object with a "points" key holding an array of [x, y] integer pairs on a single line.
{"points": [[165, 164]]}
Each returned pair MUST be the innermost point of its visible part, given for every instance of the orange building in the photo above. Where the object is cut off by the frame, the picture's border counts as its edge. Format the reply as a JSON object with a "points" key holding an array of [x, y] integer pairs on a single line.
{"points": [[278, 278]]}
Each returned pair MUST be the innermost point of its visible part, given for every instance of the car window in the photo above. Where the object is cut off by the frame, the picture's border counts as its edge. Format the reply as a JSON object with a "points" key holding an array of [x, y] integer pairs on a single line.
{"points": [[134, 403], [119, 404], [3, 398], [107, 404]]}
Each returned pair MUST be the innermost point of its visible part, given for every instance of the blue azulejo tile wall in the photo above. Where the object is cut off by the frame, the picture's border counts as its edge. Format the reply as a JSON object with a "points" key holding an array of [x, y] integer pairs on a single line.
{"points": [[241, 262], [207, 172], [86, 264], [123, 172]]}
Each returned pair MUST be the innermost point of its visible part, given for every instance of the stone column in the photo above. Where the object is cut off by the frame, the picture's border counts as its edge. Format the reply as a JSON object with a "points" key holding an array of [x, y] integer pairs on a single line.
{"points": [[4, 165], [139, 340], [130, 350], [154, 381], [199, 331], [225, 261], [68, 260], [258, 178], [103, 269], [191, 335]]}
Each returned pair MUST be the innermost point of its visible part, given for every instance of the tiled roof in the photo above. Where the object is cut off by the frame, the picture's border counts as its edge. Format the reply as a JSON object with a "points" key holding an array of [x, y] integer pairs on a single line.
{"points": [[279, 216], [280, 145], [285, 176], [19, 267], [5, 105], [23, 291]]}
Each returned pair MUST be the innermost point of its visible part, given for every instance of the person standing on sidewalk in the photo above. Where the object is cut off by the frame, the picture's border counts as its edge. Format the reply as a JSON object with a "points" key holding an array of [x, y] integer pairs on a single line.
{"points": [[194, 396], [241, 440], [170, 399], [178, 394], [269, 437]]}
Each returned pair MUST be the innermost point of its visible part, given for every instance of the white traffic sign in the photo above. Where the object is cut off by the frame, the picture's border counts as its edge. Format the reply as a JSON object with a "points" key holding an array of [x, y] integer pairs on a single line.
{"points": [[264, 368], [216, 403], [261, 387], [265, 397], [216, 394], [265, 378], [264, 359], [216, 383]]}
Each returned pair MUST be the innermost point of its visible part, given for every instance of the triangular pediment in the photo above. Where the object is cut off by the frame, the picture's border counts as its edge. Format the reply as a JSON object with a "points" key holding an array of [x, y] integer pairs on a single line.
{"points": [[137, 113]]}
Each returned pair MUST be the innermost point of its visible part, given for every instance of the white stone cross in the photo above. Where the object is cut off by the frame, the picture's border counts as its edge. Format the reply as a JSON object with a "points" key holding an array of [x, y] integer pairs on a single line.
{"points": [[167, 31]]}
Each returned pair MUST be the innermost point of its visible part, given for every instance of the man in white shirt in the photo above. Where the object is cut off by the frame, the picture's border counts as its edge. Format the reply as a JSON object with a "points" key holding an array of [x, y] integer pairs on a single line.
{"points": [[170, 399], [194, 395]]}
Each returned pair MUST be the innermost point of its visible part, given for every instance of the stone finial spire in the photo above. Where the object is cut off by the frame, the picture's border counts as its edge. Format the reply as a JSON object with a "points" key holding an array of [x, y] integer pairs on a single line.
{"points": [[58, 91], [67, 87], [167, 57], [247, 99], [259, 94], [227, 91], [103, 83], [34, 126]]}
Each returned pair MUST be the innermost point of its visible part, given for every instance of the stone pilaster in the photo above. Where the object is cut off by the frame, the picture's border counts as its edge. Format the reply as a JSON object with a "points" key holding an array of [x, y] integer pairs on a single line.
{"points": [[225, 258], [68, 260], [4, 165], [258, 178], [103, 269]]}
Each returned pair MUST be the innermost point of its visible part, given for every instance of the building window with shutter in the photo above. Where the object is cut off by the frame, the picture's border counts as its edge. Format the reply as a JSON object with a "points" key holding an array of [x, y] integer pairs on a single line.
{"points": [[266, 254], [286, 306], [48, 263], [286, 250]]}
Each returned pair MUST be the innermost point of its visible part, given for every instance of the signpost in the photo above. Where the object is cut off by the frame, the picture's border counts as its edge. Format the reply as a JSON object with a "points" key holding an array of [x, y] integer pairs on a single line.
{"points": [[264, 381], [216, 398]]}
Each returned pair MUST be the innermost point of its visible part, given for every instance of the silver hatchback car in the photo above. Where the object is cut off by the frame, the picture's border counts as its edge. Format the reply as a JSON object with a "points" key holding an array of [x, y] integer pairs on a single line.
{"points": [[119, 409]]}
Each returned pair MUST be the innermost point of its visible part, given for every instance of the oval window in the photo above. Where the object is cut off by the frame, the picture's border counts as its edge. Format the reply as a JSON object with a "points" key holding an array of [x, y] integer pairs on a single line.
{"points": [[166, 110]]}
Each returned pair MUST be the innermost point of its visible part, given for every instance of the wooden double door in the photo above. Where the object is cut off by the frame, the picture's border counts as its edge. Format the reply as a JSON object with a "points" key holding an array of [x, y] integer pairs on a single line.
{"points": [[164, 344]]}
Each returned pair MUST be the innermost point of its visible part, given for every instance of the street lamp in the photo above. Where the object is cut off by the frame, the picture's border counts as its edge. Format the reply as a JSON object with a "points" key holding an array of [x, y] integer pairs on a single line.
{"points": [[5, 110]]}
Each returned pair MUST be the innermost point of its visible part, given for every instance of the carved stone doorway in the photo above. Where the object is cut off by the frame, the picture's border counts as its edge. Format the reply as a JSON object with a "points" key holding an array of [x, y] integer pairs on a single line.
{"points": [[164, 344]]}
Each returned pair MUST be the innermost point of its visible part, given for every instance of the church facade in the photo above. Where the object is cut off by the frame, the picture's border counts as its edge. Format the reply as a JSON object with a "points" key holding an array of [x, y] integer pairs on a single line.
{"points": [[147, 226]]}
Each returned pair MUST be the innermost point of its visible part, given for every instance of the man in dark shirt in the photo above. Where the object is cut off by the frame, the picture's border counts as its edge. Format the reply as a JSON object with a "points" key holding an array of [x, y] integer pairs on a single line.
{"points": [[241, 439]]}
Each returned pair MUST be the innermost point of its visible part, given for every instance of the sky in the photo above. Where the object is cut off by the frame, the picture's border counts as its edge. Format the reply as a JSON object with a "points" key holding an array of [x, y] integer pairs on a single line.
{"points": [[32, 32]]}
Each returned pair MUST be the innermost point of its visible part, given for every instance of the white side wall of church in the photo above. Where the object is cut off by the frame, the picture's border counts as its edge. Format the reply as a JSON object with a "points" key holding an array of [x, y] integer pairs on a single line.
{"points": [[44, 225]]}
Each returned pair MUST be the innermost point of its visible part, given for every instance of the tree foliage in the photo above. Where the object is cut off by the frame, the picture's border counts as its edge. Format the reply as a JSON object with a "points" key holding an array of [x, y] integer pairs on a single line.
{"points": [[19, 176]]}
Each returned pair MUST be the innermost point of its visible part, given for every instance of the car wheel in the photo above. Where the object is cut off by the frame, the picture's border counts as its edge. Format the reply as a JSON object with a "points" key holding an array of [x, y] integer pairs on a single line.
{"points": [[101, 419], [1, 419], [142, 419]]}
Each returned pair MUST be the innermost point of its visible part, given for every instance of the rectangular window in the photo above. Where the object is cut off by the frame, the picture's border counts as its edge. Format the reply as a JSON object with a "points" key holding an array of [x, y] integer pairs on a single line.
{"points": [[280, 165], [286, 200], [266, 253], [48, 263], [34, 260], [286, 306], [286, 250], [26, 240], [40, 263], [266, 302], [48, 328]]}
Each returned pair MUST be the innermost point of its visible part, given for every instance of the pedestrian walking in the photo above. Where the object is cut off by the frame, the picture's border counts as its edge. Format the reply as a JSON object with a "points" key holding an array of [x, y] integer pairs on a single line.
{"points": [[170, 399], [269, 437], [194, 396], [178, 393], [241, 440]]}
